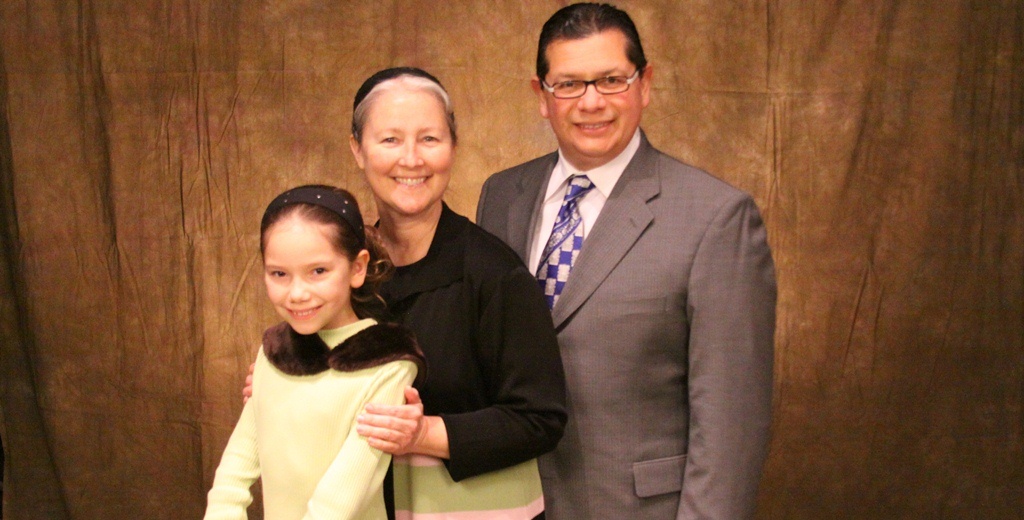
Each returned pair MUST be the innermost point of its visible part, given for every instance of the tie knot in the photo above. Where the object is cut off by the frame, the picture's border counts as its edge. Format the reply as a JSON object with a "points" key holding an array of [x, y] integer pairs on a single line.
{"points": [[578, 186]]}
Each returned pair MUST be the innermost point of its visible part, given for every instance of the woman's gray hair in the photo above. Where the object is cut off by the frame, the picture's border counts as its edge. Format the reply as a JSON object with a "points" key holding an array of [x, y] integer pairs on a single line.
{"points": [[408, 82]]}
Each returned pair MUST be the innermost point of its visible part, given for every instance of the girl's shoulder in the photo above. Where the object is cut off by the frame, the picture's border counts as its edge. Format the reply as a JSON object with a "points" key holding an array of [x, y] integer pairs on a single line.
{"points": [[377, 345]]}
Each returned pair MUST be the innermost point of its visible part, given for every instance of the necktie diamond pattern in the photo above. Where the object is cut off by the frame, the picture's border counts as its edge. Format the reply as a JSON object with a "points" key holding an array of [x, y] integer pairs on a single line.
{"points": [[565, 242]]}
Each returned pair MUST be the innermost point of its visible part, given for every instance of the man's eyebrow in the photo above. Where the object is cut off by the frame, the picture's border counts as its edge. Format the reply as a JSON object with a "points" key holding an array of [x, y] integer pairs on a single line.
{"points": [[572, 76]]}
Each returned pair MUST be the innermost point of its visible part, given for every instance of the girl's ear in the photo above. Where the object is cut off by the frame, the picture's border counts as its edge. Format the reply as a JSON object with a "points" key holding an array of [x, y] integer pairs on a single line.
{"points": [[358, 271]]}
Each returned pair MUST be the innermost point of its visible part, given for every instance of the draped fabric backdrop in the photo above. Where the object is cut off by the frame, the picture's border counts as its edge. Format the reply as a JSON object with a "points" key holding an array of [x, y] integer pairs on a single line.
{"points": [[883, 140]]}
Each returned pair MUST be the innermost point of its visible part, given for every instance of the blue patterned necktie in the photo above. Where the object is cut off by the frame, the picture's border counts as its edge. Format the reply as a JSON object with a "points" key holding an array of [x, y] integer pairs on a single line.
{"points": [[565, 242]]}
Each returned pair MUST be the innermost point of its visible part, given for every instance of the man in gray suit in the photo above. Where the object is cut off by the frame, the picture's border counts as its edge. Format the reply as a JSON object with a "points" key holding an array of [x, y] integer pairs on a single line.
{"points": [[666, 318]]}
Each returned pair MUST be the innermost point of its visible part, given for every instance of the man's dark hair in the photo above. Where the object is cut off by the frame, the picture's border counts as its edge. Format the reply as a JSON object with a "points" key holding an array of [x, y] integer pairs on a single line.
{"points": [[578, 21]]}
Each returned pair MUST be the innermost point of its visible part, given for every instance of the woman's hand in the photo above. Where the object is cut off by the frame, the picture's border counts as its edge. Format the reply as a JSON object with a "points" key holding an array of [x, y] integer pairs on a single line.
{"points": [[403, 429], [247, 390]]}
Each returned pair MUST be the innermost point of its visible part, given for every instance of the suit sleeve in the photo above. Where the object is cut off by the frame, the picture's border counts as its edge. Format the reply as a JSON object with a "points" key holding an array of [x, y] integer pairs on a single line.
{"points": [[731, 305], [357, 473], [526, 383], [480, 204], [239, 466]]}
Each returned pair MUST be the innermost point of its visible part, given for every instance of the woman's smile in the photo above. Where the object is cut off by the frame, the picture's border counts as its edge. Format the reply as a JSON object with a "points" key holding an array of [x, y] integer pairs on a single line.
{"points": [[410, 181]]}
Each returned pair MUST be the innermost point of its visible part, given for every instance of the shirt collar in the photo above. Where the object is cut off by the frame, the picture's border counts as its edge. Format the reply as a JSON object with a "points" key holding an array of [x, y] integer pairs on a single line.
{"points": [[334, 337], [604, 177]]}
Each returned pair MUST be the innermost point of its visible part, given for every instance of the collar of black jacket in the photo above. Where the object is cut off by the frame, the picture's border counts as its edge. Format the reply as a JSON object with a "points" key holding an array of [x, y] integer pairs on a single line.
{"points": [[443, 265]]}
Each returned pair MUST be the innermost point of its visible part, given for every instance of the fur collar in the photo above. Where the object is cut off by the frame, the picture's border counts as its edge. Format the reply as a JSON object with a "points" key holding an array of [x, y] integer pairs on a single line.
{"points": [[302, 355]]}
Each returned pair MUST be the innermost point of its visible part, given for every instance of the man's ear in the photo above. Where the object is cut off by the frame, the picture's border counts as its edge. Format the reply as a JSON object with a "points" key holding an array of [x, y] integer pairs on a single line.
{"points": [[645, 85], [539, 90]]}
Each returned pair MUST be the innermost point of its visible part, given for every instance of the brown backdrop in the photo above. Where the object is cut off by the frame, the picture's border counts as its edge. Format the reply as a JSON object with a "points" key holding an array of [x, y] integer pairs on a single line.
{"points": [[884, 141]]}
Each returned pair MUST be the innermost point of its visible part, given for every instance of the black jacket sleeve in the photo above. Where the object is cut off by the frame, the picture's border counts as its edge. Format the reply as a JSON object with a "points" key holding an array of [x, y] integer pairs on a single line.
{"points": [[525, 381]]}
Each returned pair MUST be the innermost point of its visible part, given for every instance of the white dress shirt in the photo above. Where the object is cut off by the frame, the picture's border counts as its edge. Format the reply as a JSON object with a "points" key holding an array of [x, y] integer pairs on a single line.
{"points": [[604, 178]]}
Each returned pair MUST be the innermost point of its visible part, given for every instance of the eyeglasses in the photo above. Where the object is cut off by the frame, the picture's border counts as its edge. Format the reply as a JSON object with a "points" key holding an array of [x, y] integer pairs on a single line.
{"points": [[575, 88]]}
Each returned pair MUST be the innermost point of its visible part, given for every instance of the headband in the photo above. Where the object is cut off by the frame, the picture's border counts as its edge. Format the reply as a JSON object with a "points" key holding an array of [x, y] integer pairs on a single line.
{"points": [[339, 202], [387, 74]]}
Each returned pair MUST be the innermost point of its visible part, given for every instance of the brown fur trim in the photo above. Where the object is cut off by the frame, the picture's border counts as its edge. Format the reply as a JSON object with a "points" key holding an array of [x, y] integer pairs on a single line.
{"points": [[302, 355]]}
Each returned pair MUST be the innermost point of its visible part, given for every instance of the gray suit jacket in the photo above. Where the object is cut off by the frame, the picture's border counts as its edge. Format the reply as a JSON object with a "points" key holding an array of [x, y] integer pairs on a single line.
{"points": [[666, 329]]}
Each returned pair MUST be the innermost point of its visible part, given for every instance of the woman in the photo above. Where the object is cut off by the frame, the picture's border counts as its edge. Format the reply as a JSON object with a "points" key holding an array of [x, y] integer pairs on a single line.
{"points": [[494, 397]]}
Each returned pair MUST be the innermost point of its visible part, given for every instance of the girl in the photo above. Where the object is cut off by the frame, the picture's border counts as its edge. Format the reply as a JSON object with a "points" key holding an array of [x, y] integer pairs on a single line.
{"points": [[318, 369]]}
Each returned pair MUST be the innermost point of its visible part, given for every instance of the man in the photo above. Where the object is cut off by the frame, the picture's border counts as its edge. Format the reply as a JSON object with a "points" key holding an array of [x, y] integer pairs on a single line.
{"points": [[666, 316]]}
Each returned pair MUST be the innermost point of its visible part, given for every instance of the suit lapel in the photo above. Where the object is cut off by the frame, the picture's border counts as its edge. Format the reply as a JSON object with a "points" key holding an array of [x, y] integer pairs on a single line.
{"points": [[525, 209], [623, 219]]}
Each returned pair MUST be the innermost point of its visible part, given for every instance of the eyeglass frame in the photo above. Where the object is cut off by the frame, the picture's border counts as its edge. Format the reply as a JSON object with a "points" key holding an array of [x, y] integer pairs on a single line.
{"points": [[588, 82]]}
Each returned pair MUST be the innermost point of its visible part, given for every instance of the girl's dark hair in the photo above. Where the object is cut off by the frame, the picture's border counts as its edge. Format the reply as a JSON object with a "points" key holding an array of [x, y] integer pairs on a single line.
{"points": [[319, 203]]}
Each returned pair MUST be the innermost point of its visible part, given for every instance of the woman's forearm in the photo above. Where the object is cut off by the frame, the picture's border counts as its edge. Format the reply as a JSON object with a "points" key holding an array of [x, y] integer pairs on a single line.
{"points": [[433, 439]]}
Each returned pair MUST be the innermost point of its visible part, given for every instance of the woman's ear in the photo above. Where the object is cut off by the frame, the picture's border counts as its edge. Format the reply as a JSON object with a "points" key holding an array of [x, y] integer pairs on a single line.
{"points": [[356, 148]]}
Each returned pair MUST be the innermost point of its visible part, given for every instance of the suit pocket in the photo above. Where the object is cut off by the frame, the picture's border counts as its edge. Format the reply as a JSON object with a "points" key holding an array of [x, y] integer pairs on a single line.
{"points": [[625, 307], [659, 476]]}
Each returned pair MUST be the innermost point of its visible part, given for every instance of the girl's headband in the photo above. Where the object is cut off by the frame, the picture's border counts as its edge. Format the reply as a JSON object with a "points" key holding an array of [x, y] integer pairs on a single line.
{"points": [[339, 202]]}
